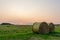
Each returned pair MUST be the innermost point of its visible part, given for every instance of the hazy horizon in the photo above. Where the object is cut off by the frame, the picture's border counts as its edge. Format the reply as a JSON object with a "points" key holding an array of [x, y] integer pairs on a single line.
{"points": [[29, 11]]}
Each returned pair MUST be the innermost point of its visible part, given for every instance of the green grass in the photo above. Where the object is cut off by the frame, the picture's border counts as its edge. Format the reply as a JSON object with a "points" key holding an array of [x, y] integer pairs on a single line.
{"points": [[24, 32]]}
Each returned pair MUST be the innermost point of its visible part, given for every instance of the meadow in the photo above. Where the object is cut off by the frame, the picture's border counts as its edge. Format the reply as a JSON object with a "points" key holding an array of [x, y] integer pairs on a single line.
{"points": [[24, 32]]}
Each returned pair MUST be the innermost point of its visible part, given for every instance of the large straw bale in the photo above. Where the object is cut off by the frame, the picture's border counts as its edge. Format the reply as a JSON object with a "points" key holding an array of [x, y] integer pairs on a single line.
{"points": [[51, 27], [40, 27]]}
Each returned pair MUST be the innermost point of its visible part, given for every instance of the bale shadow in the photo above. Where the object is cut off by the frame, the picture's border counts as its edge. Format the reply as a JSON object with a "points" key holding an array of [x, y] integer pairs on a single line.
{"points": [[43, 36], [47, 36], [55, 34]]}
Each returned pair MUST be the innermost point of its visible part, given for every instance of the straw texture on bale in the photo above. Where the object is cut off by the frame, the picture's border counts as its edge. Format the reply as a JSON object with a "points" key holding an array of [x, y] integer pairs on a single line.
{"points": [[40, 27], [35, 27], [51, 27]]}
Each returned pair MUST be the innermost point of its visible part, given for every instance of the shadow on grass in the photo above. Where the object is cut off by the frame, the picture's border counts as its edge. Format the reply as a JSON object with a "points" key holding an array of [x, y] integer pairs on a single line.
{"points": [[43, 36], [55, 34], [47, 36]]}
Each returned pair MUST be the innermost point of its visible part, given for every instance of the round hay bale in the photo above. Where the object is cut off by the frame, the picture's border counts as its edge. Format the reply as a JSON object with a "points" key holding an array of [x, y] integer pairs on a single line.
{"points": [[35, 27], [44, 29], [40, 28], [51, 27]]}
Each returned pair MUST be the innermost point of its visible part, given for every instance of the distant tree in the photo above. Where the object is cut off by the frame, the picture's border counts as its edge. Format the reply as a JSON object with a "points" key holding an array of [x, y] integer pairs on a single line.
{"points": [[6, 24], [57, 24]]}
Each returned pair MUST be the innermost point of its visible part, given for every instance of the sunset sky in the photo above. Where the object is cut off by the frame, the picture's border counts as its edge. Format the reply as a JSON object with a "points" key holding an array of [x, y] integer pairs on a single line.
{"points": [[29, 11]]}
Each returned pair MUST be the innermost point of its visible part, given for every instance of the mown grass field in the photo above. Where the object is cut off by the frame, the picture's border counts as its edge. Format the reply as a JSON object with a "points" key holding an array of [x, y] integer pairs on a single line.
{"points": [[24, 32]]}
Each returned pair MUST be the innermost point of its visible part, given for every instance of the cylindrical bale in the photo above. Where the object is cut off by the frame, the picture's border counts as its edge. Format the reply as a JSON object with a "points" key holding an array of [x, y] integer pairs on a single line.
{"points": [[35, 27], [51, 27], [40, 27], [44, 29]]}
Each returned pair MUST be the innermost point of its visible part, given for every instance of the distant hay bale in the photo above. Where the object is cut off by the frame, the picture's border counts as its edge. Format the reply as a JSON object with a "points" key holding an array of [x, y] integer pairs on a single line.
{"points": [[40, 28], [51, 27]]}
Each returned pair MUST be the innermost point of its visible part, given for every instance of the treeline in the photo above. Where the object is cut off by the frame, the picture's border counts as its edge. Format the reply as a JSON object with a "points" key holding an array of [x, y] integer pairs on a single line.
{"points": [[57, 24], [6, 24]]}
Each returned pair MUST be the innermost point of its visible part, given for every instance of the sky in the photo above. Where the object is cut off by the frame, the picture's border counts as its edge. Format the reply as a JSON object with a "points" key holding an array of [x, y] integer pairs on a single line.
{"points": [[29, 11]]}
